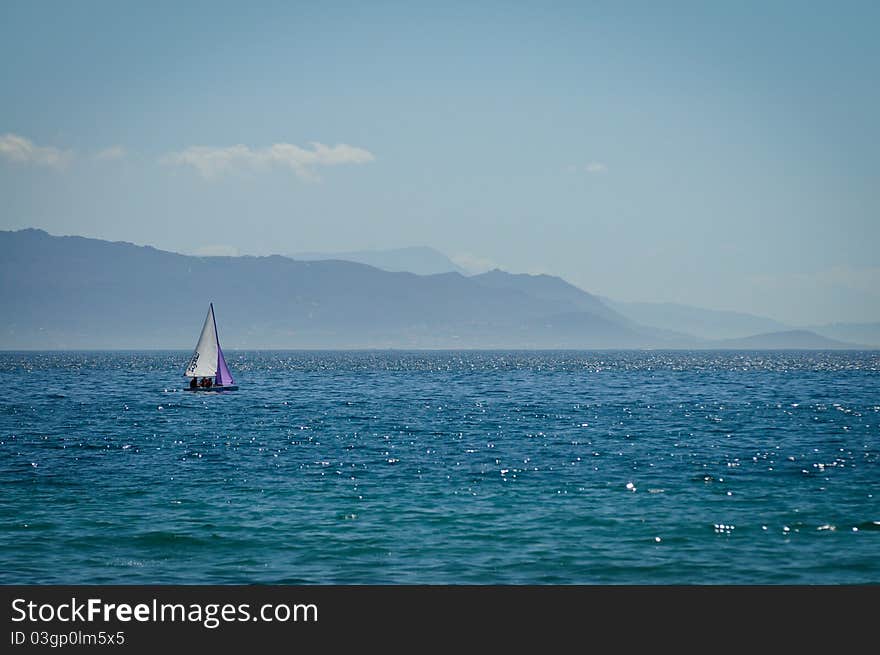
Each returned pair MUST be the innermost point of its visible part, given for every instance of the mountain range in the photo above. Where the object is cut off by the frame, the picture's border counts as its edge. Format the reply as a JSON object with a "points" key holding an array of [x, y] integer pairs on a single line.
{"points": [[77, 293], [420, 260], [706, 324]]}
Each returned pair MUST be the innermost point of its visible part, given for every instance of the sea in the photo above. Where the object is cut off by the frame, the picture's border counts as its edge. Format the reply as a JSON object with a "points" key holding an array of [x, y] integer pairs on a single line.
{"points": [[442, 467]]}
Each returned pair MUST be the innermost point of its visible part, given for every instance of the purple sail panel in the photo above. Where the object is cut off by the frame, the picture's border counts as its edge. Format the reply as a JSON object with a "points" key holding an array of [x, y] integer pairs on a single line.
{"points": [[224, 377]]}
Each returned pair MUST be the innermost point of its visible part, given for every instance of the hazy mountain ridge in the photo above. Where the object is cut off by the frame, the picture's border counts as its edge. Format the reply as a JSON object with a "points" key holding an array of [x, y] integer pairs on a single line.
{"points": [[717, 326], [71, 292], [552, 288], [420, 260], [785, 340], [866, 333], [74, 292], [701, 322]]}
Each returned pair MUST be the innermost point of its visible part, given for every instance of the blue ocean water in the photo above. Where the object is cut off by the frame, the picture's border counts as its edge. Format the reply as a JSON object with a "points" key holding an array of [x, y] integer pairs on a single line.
{"points": [[442, 467]]}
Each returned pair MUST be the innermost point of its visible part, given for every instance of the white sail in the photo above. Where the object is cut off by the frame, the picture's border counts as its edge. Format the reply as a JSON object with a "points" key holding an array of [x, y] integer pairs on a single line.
{"points": [[204, 358]]}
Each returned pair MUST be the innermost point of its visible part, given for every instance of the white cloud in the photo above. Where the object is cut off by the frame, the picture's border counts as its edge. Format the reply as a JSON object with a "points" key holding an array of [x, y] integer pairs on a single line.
{"points": [[596, 167], [111, 153], [211, 162], [21, 150]]}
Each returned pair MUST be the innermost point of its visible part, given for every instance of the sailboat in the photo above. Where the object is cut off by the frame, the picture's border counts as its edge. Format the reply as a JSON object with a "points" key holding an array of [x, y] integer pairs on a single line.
{"points": [[207, 360]]}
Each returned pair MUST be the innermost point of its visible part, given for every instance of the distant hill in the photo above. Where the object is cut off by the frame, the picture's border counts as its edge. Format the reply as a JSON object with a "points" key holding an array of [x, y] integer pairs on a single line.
{"points": [[867, 333], [420, 260], [555, 289], [787, 340], [550, 288], [714, 326], [78, 293], [73, 292], [700, 322]]}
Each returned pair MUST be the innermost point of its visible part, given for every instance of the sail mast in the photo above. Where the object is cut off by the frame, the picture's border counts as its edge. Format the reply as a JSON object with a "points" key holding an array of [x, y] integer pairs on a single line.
{"points": [[224, 377]]}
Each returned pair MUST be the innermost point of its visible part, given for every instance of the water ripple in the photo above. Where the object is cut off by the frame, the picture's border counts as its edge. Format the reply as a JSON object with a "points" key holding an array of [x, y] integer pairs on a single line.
{"points": [[442, 467]]}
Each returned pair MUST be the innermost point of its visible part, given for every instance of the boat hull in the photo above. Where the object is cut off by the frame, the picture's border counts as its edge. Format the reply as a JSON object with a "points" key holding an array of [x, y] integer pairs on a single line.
{"points": [[216, 387]]}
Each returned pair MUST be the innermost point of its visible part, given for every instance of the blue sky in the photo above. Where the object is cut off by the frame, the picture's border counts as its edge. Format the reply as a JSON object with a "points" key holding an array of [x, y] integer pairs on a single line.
{"points": [[723, 156]]}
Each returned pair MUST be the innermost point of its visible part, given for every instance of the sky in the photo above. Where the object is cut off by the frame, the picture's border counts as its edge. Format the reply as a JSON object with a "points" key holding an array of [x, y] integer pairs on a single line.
{"points": [[716, 154]]}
